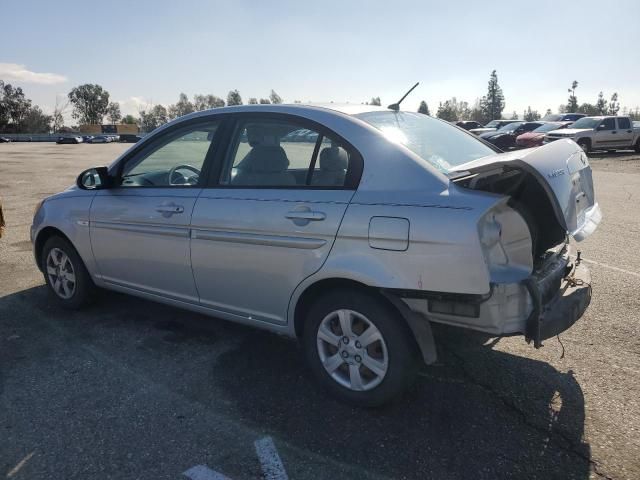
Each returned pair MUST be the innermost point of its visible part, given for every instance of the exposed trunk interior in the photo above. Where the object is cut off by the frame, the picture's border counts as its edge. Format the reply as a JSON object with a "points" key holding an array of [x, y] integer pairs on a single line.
{"points": [[527, 197]]}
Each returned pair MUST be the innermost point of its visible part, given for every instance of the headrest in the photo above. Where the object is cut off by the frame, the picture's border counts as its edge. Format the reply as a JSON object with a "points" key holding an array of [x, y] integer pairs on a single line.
{"points": [[265, 159], [333, 159], [262, 135]]}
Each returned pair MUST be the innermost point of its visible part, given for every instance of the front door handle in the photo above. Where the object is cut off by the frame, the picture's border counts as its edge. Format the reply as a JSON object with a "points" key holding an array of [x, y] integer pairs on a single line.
{"points": [[309, 215], [168, 210], [614, 132]]}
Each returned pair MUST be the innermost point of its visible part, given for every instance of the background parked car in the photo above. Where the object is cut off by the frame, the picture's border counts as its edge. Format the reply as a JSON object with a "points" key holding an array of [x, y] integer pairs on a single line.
{"points": [[505, 137], [563, 117], [600, 133], [468, 124], [5, 140], [535, 137], [73, 139], [492, 126], [99, 139]]}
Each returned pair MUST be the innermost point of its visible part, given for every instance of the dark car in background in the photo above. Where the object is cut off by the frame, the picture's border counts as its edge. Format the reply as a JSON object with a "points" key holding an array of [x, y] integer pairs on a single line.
{"points": [[492, 126], [505, 137], [468, 124], [563, 117], [5, 140], [535, 137], [70, 139]]}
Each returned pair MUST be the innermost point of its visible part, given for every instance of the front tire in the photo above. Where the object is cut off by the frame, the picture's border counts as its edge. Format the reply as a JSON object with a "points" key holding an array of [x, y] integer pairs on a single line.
{"points": [[637, 146], [66, 276], [585, 145], [359, 348]]}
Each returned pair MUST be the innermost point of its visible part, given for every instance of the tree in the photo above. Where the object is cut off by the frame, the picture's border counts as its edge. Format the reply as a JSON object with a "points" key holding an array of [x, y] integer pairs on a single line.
{"points": [[548, 112], [476, 112], [155, 117], [493, 103], [614, 105], [129, 120], [36, 121], [113, 112], [274, 97], [531, 115], [89, 103], [602, 105], [375, 101], [265, 101], [234, 98], [182, 107], [588, 109], [447, 111], [14, 107], [205, 102], [58, 113], [423, 108], [514, 116], [253, 101], [572, 103]]}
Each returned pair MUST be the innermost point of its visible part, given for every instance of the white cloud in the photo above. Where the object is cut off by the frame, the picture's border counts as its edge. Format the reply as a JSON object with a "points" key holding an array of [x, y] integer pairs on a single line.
{"points": [[13, 72], [133, 105]]}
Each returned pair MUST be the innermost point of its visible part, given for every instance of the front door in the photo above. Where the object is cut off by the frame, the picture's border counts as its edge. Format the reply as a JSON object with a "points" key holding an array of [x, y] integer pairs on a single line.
{"points": [[140, 229], [606, 134], [271, 217]]}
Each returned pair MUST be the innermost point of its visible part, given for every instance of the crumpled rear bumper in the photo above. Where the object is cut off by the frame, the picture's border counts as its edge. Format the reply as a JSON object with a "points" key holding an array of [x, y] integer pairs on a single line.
{"points": [[557, 309]]}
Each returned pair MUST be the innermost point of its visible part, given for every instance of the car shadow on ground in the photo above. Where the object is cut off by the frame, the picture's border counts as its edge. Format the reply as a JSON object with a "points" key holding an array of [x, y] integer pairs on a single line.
{"points": [[478, 413]]}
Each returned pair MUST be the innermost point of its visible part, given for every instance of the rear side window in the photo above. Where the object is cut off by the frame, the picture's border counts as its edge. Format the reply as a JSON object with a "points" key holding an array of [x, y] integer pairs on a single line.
{"points": [[608, 124], [270, 153], [624, 123]]}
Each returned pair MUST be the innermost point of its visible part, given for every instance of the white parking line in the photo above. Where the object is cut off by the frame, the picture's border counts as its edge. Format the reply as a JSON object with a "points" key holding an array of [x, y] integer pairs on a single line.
{"points": [[202, 472], [272, 467], [611, 267]]}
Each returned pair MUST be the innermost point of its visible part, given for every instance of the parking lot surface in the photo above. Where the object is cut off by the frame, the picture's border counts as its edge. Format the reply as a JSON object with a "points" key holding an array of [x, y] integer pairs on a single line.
{"points": [[132, 389]]}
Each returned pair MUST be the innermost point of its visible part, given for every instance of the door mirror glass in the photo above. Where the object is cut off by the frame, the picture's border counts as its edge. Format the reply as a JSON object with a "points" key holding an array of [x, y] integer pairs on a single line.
{"points": [[96, 178]]}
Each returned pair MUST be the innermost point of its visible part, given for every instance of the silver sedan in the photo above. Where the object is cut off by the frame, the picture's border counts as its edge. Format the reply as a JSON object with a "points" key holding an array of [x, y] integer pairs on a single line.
{"points": [[353, 230]]}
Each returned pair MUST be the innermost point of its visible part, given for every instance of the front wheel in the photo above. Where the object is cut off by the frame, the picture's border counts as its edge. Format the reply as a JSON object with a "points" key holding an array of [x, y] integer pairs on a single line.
{"points": [[585, 145], [359, 348], [637, 147], [65, 274]]}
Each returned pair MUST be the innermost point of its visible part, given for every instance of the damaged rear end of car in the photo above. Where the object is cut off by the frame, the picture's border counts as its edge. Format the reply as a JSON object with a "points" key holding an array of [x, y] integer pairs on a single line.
{"points": [[538, 285]]}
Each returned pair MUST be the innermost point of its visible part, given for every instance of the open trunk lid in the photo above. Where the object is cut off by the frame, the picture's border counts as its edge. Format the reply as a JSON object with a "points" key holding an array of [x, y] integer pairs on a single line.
{"points": [[562, 170]]}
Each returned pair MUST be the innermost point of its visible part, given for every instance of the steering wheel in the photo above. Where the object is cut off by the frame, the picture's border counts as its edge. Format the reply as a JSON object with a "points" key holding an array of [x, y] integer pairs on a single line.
{"points": [[176, 178]]}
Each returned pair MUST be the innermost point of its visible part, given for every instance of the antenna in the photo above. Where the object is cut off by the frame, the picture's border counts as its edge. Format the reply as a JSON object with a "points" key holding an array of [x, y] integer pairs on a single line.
{"points": [[396, 106]]}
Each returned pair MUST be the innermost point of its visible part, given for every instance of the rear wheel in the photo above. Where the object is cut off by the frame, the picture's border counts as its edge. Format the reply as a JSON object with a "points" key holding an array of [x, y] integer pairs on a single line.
{"points": [[585, 145], [359, 348], [65, 274], [637, 147]]}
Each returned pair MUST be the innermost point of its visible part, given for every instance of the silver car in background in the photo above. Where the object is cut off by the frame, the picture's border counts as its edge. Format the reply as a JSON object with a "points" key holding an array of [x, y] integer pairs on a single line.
{"points": [[350, 230]]}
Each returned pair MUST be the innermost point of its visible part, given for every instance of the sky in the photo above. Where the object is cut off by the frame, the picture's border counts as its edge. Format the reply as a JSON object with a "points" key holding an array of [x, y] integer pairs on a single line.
{"points": [[147, 52]]}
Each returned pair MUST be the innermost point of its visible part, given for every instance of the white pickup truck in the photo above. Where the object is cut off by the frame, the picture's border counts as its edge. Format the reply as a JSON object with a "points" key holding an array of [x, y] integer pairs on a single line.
{"points": [[600, 133]]}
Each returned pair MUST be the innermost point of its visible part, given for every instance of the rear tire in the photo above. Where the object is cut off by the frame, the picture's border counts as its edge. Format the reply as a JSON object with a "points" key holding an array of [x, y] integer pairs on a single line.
{"points": [[370, 362], [66, 276], [585, 145], [637, 146]]}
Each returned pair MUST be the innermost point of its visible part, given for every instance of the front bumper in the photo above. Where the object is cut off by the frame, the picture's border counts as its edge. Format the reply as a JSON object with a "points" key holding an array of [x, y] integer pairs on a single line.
{"points": [[557, 309]]}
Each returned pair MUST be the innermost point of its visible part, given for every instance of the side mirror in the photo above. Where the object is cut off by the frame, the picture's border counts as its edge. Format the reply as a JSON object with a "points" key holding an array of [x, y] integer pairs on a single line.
{"points": [[96, 178]]}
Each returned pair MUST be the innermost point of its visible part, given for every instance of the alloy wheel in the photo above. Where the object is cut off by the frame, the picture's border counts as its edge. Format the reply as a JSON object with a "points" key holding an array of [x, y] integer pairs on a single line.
{"points": [[61, 274], [352, 350]]}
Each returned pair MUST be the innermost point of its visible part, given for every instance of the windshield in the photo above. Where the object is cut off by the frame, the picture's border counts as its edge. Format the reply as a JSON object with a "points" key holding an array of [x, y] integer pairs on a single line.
{"points": [[547, 127], [586, 122], [552, 118], [493, 124], [439, 143], [510, 127]]}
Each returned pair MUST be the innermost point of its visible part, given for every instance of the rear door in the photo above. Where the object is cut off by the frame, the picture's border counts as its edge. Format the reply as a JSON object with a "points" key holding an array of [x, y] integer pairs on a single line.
{"points": [[625, 132], [140, 229], [270, 216]]}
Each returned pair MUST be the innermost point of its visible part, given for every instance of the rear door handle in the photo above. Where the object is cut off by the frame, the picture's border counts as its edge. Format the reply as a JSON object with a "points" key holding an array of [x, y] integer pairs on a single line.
{"points": [[168, 210], [309, 215]]}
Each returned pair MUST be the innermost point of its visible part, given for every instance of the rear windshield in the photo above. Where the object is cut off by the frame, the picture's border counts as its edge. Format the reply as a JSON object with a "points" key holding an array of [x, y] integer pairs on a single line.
{"points": [[547, 127], [439, 143]]}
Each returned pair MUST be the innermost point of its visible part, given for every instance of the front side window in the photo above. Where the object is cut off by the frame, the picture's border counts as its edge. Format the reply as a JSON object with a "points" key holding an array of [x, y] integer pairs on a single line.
{"points": [[176, 161], [277, 153], [608, 124]]}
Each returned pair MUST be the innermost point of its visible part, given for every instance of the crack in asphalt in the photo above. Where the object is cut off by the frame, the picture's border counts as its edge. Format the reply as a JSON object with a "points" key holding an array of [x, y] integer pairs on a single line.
{"points": [[552, 435]]}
